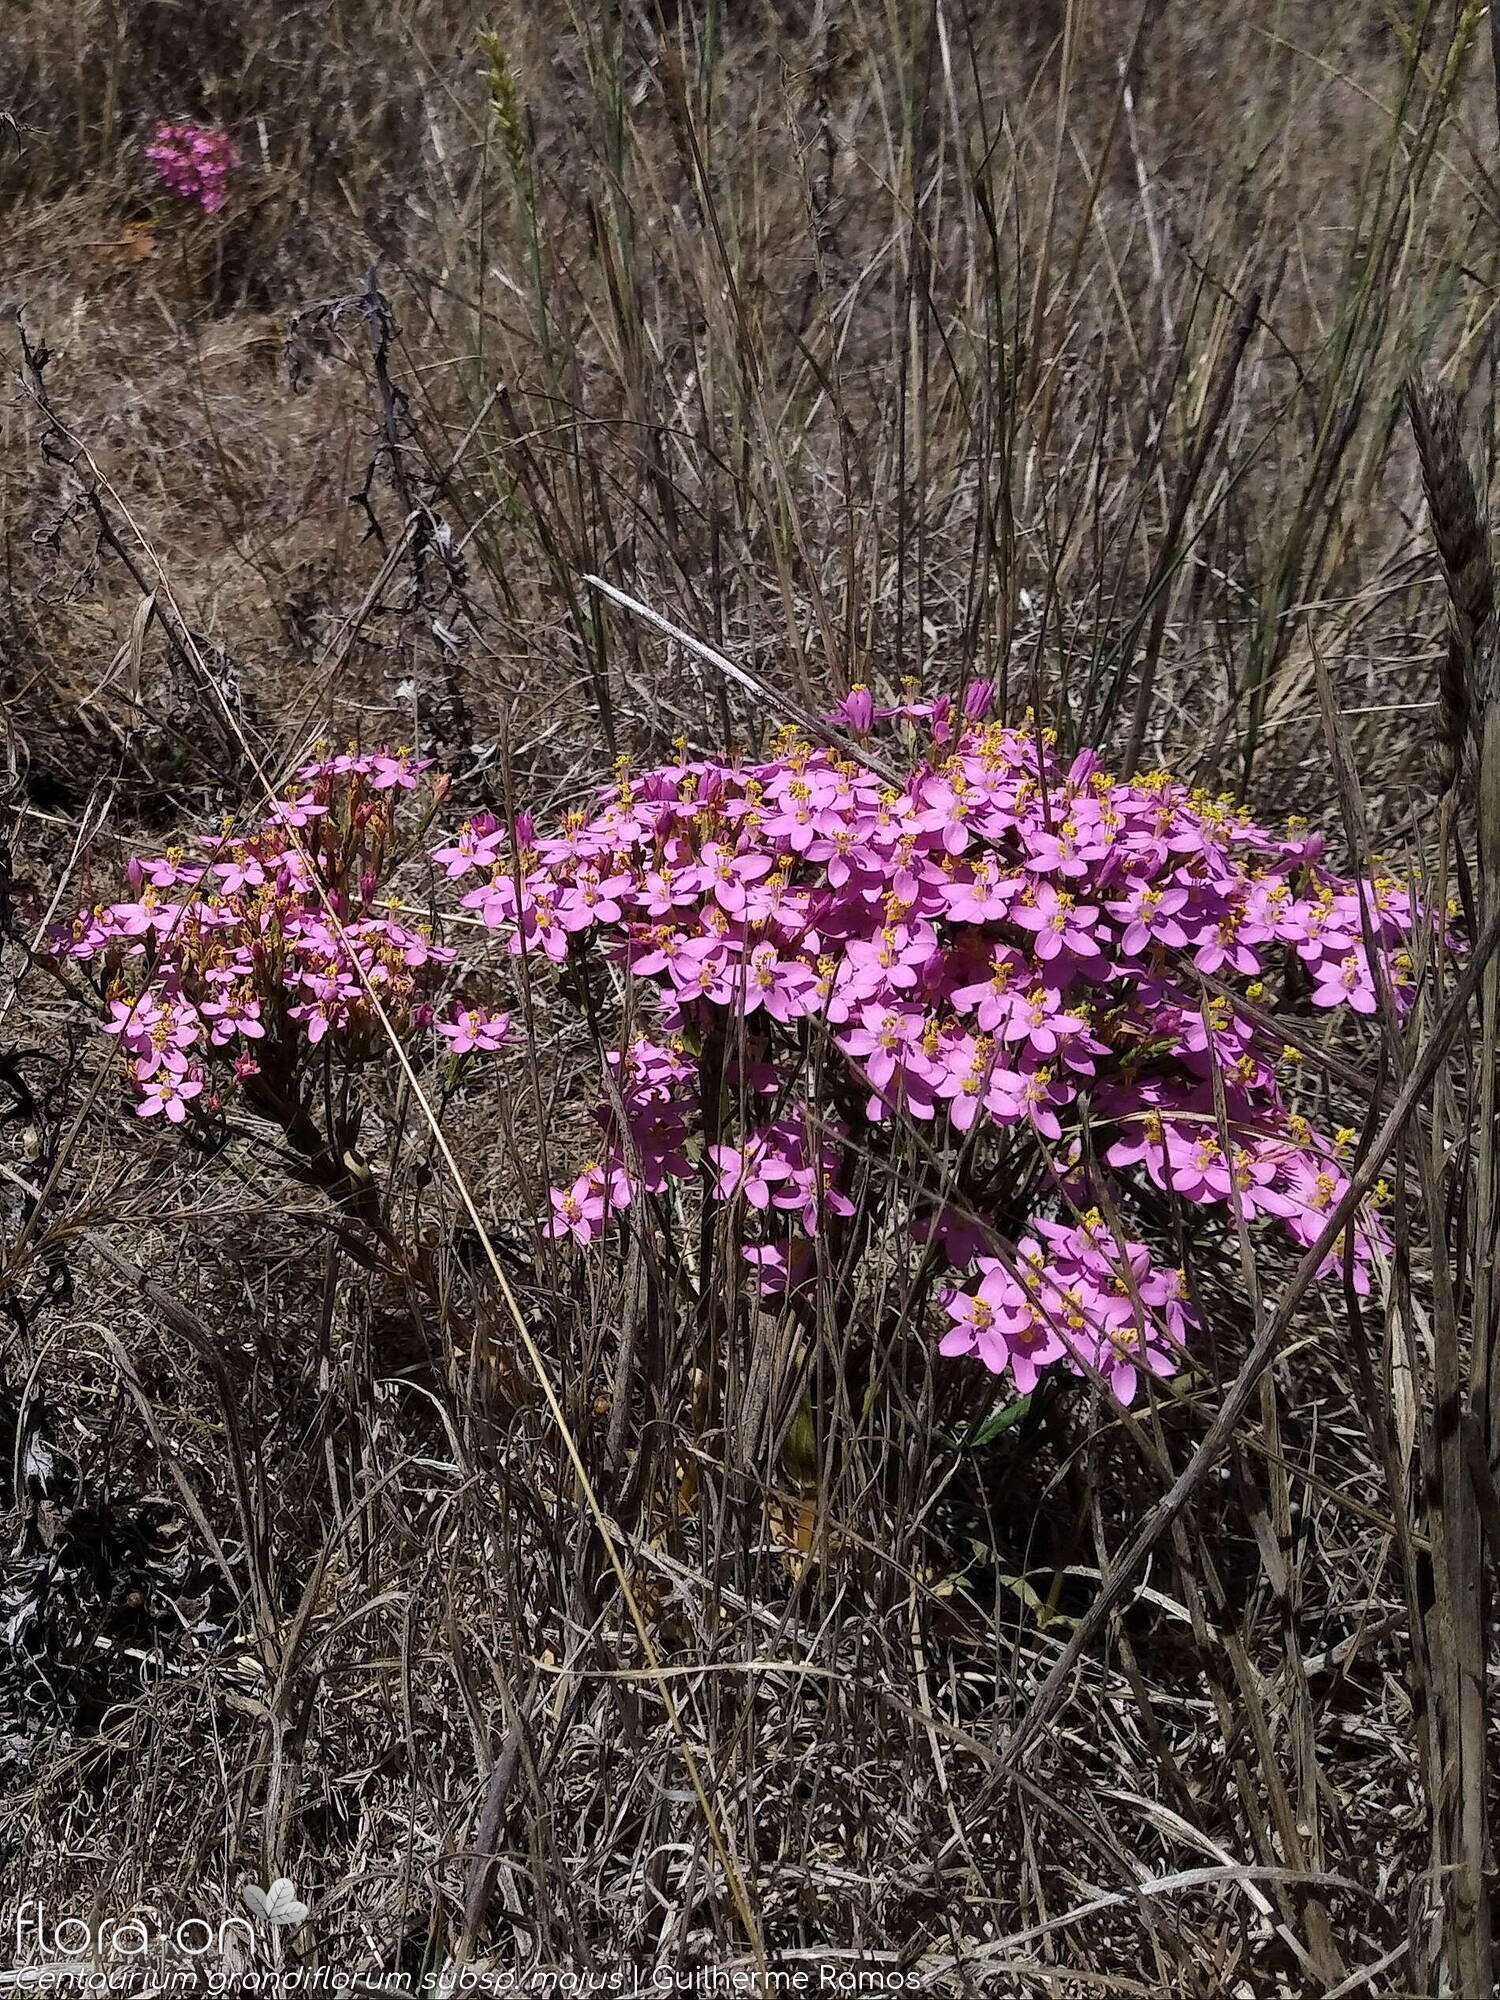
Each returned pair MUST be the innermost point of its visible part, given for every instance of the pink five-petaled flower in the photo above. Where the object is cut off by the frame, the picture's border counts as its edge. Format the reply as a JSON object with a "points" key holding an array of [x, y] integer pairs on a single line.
{"points": [[973, 1330], [1003, 1326], [296, 811], [728, 877], [477, 845], [233, 1016], [784, 987], [1148, 914], [1123, 1356], [471, 1029], [1061, 925], [170, 1093], [243, 872], [1347, 983], [752, 1172], [580, 1211], [591, 898], [133, 1021], [1225, 949], [985, 897], [400, 772], [884, 1040]]}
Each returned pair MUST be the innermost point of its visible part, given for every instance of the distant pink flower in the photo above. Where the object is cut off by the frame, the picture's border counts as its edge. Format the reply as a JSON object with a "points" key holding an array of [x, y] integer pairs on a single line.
{"points": [[194, 162]]}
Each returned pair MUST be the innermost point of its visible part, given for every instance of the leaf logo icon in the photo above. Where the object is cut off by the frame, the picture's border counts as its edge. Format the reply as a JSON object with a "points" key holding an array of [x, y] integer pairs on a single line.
{"points": [[277, 1905]]}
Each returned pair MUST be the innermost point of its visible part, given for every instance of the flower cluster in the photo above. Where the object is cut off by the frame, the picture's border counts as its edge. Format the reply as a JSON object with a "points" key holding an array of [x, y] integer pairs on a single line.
{"points": [[648, 1080], [1073, 1294], [195, 162], [1041, 963], [242, 958]]}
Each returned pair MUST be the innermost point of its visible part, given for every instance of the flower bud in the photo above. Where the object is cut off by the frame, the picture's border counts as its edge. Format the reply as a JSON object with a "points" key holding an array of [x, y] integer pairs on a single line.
{"points": [[857, 711]]}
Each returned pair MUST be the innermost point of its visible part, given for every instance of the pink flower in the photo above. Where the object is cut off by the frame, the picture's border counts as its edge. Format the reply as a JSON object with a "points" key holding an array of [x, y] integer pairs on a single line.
{"points": [[194, 161], [1061, 926], [244, 871], [1123, 1356], [784, 987], [580, 1211], [1148, 914], [1196, 1166], [541, 924], [986, 897], [591, 899], [399, 772], [781, 1267], [1002, 1326], [133, 1021], [856, 712], [994, 998], [727, 876], [169, 1093], [233, 1016], [471, 1029], [1349, 983], [752, 1172], [478, 842], [884, 1040], [1224, 950], [295, 812]]}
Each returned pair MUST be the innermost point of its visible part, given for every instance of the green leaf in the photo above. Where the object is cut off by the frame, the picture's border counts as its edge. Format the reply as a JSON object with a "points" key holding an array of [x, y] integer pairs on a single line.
{"points": [[999, 1419]]}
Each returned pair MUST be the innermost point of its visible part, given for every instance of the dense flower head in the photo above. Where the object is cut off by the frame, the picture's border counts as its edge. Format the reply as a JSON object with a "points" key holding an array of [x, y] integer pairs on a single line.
{"points": [[194, 162], [244, 955], [1040, 962]]}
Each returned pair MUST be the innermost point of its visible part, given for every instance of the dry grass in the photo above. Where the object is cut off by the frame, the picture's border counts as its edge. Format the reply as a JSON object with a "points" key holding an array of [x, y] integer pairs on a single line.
{"points": [[1061, 342]]}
